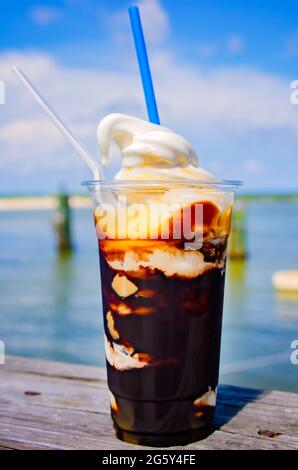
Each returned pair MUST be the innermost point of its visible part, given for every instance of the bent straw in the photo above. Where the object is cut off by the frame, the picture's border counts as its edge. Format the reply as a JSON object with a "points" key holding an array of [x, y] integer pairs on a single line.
{"points": [[88, 159], [143, 61]]}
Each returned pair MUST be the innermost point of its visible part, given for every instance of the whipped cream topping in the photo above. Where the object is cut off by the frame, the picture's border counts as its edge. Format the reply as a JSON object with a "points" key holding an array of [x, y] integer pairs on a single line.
{"points": [[149, 151]]}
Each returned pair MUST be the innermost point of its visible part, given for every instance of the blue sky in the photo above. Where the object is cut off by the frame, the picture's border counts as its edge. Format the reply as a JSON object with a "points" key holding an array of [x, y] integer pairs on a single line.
{"points": [[222, 72], [268, 30]]}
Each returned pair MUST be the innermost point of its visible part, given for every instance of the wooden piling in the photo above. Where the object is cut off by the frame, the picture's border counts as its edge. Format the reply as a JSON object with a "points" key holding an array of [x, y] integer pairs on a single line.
{"points": [[62, 224], [238, 236]]}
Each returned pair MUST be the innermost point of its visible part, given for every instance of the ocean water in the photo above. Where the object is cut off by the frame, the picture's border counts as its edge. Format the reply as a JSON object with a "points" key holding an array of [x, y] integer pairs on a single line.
{"points": [[50, 305]]}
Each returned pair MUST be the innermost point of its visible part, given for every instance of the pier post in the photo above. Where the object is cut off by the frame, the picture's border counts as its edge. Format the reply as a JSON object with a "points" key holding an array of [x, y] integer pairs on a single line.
{"points": [[238, 237], [62, 224]]}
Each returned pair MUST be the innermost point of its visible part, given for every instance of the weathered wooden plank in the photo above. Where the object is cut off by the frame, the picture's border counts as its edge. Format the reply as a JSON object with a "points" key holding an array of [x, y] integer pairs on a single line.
{"points": [[53, 392], [21, 445], [56, 393], [61, 406], [47, 437], [100, 427], [54, 369]]}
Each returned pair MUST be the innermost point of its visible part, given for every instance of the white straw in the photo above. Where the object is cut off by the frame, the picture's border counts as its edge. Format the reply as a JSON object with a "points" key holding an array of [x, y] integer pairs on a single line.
{"points": [[94, 166]]}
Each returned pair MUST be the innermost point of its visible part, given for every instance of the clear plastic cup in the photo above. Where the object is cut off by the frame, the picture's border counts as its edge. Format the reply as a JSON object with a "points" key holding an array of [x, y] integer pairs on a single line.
{"points": [[162, 248]]}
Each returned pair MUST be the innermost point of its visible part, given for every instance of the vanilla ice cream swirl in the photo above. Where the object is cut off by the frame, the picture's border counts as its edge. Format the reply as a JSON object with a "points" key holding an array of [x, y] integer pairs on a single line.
{"points": [[149, 151]]}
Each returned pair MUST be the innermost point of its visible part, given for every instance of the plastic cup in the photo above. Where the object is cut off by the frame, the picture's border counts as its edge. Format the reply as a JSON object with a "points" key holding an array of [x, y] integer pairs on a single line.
{"points": [[162, 248]]}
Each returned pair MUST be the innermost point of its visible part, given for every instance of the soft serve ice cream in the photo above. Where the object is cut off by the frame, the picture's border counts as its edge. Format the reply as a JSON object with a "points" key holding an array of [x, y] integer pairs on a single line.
{"points": [[155, 154], [149, 151], [162, 299]]}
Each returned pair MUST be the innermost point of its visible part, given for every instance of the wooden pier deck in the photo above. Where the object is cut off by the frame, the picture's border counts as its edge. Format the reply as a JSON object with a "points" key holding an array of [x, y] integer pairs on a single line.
{"points": [[50, 405]]}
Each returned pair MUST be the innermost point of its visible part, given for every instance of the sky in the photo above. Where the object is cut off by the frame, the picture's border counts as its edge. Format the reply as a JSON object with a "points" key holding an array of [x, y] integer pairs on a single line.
{"points": [[222, 72]]}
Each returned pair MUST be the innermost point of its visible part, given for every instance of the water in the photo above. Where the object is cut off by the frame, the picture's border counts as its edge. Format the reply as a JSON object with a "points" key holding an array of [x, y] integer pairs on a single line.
{"points": [[50, 306]]}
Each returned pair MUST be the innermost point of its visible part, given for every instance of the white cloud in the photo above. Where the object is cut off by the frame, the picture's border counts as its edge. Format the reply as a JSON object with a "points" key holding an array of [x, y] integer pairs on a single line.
{"points": [[240, 119], [155, 22], [216, 167], [29, 143], [291, 47], [25, 131], [235, 98], [252, 165], [220, 110], [232, 45], [235, 44], [2, 92], [208, 49], [43, 15], [80, 97]]}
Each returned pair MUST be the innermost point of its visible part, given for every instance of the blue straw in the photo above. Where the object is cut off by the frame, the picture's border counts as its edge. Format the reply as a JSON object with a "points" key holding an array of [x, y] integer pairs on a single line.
{"points": [[141, 51]]}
